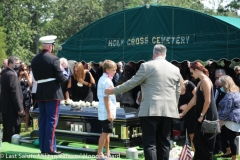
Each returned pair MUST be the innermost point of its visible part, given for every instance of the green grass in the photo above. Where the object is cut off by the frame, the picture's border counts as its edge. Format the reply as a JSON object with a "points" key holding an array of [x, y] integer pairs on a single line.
{"points": [[30, 149]]}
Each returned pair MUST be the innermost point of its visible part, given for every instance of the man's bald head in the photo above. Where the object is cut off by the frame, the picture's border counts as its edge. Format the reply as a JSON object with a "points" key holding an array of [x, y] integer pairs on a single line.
{"points": [[5, 63]]}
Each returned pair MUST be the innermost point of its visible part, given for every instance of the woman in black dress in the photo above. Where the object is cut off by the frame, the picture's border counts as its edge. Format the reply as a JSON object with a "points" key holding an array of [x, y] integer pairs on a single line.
{"points": [[205, 108], [25, 79], [80, 84], [187, 92]]}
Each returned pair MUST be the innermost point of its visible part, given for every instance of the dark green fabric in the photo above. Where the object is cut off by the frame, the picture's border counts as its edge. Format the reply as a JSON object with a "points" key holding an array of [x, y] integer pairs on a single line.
{"points": [[130, 35]]}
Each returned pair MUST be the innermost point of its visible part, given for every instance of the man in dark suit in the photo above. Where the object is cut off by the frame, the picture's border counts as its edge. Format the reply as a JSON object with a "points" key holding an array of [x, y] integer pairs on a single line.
{"points": [[218, 96], [94, 72], [46, 70], [11, 100]]}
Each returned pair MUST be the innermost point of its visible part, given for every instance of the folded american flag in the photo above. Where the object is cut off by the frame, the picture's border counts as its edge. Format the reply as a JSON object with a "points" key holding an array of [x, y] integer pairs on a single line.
{"points": [[186, 152]]}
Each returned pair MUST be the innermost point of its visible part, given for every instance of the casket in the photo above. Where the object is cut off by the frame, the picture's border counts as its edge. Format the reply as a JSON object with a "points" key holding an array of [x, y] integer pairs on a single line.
{"points": [[82, 125]]}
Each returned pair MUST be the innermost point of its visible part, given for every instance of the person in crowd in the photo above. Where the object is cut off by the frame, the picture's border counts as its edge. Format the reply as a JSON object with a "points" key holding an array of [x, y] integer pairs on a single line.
{"points": [[34, 90], [187, 92], [125, 99], [185, 72], [237, 75], [212, 68], [229, 115], [5, 64], [128, 72], [119, 67], [25, 79], [64, 66], [66, 72], [87, 66], [159, 105], [106, 106], [137, 89], [94, 72], [47, 72], [80, 84], [100, 69], [228, 69], [100, 64], [218, 96], [116, 78], [12, 100], [205, 108]]}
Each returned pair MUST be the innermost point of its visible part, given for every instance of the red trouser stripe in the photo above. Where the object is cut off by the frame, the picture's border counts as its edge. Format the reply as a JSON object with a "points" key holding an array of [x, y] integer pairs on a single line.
{"points": [[54, 125]]}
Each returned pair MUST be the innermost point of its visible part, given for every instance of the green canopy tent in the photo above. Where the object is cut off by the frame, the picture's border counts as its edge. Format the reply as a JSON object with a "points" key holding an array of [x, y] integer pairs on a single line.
{"points": [[130, 35]]}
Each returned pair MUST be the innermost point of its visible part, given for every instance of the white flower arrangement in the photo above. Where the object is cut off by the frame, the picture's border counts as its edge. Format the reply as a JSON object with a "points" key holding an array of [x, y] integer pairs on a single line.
{"points": [[118, 105], [62, 102], [74, 104], [88, 104], [79, 84], [81, 104]]}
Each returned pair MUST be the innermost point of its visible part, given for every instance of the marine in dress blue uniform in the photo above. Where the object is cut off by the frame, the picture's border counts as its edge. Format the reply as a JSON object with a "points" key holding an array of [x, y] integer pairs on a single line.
{"points": [[47, 72]]}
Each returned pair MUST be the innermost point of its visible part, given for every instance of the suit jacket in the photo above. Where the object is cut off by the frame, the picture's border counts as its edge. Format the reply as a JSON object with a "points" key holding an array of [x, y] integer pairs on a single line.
{"points": [[11, 93], [160, 84], [44, 66]]}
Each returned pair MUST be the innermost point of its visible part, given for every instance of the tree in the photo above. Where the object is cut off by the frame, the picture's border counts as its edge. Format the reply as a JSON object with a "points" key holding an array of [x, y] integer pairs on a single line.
{"points": [[71, 16], [23, 22], [2, 38], [233, 6]]}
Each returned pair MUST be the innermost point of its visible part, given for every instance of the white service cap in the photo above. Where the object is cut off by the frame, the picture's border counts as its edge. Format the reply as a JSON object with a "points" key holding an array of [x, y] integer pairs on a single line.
{"points": [[48, 39]]}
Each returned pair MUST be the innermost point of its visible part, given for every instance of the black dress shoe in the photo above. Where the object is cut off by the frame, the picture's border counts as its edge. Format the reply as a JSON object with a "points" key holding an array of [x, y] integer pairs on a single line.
{"points": [[54, 153]]}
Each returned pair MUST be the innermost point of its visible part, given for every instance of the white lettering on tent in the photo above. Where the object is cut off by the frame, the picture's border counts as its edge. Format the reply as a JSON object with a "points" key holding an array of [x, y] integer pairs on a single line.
{"points": [[110, 43], [178, 40], [141, 40], [171, 40], [187, 39], [115, 42], [182, 40], [137, 41]]}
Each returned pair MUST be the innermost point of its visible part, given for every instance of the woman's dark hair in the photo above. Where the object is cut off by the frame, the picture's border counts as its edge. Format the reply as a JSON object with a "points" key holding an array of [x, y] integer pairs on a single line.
{"points": [[128, 72], [21, 68], [197, 65]]}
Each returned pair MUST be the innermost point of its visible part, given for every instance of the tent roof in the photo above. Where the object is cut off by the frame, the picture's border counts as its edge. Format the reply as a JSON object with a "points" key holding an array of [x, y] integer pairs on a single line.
{"points": [[230, 20], [130, 35]]}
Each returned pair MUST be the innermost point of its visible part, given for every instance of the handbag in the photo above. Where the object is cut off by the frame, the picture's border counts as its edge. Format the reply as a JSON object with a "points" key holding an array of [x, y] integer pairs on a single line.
{"points": [[211, 126]]}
